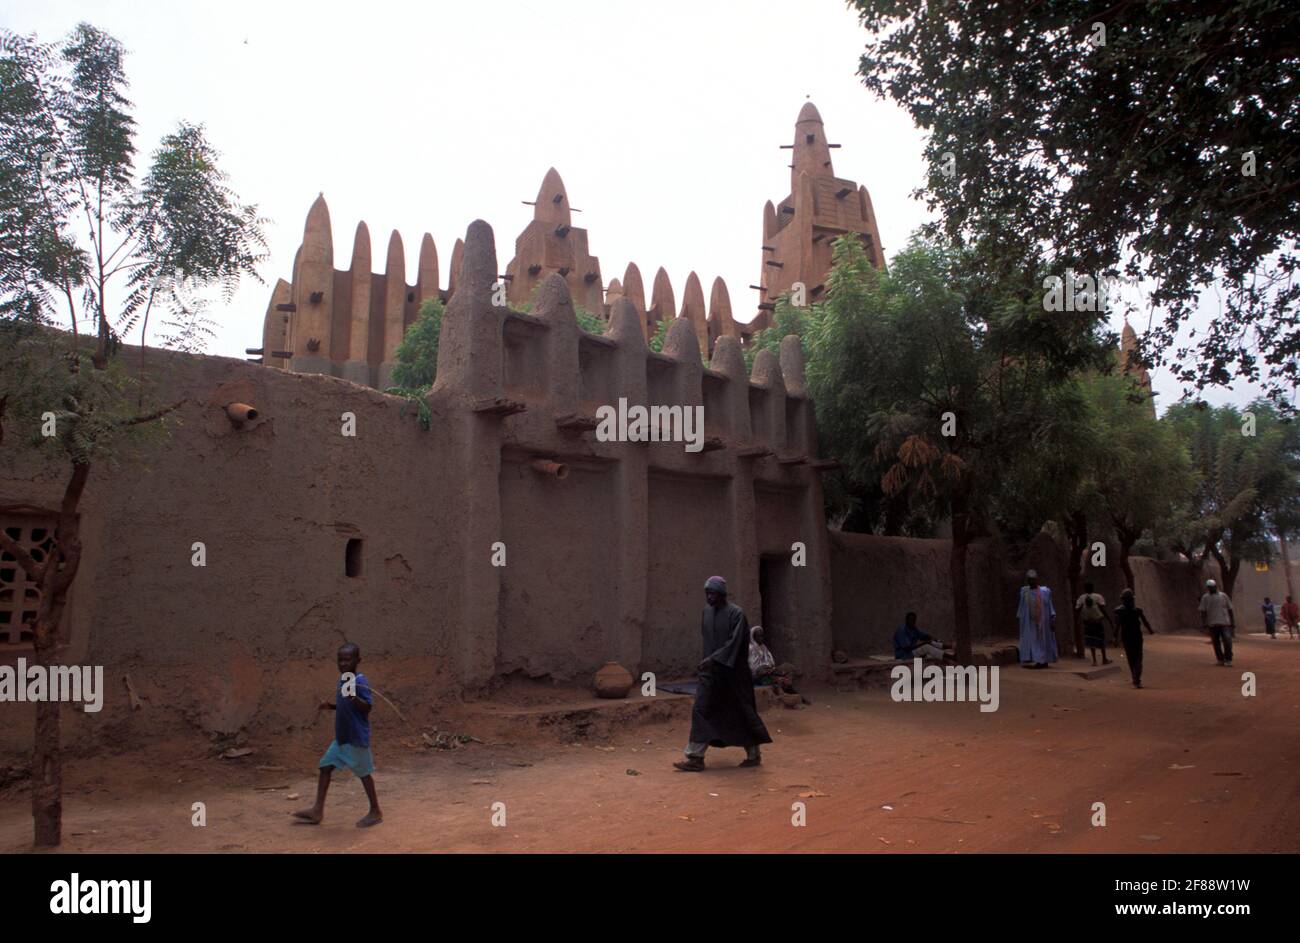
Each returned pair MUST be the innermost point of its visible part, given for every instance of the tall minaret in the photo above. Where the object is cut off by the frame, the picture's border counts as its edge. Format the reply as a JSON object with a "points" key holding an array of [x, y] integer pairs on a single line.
{"points": [[798, 231], [1128, 344]]}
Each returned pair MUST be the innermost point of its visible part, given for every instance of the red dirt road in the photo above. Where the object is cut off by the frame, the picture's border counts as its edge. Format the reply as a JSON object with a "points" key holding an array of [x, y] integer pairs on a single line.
{"points": [[1187, 764]]}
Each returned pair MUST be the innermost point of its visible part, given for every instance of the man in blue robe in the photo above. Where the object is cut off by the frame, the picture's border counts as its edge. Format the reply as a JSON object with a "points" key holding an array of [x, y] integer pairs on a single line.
{"points": [[1037, 618]]}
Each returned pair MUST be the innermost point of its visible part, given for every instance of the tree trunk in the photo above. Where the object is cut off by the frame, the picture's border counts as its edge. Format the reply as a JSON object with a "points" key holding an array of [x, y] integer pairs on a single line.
{"points": [[1228, 572], [1286, 560], [56, 578], [1125, 547], [960, 590], [1077, 532], [1127, 537]]}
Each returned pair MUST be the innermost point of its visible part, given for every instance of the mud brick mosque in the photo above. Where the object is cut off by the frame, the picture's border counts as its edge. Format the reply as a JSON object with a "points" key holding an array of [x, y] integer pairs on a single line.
{"points": [[387, 536]]}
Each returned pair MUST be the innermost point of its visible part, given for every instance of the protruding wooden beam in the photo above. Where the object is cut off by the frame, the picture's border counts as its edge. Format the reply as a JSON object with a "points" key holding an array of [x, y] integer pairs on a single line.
{"points": [[774, 263], [754, 451], [767, 306], [498, 406], [576, 422], [768, 248]]}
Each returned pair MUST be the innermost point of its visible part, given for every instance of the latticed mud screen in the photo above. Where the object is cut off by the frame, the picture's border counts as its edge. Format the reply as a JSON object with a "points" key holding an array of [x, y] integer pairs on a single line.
{"points": [[19, 595]]}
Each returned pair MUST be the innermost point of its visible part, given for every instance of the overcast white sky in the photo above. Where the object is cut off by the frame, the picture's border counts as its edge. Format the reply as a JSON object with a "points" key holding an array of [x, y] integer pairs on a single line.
{"points": [[663, 119]]}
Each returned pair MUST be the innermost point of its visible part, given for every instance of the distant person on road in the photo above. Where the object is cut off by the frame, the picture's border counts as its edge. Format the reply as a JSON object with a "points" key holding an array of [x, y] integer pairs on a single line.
{"points": [[1270, 617], [1037, 618], [911, 642], [1091, 608], [1217, 616], [1129, 619], [1291, 616]]}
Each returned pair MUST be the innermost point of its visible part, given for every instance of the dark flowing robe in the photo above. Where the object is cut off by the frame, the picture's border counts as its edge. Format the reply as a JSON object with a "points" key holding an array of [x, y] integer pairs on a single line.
{"points": [[725, 714]]}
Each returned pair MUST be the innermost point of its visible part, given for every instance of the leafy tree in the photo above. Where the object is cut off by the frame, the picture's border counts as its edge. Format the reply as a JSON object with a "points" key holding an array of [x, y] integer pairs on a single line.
{"points": [[944, 378], [786, 320], [417, 359], [417, 354], [1059, 481], [1157, 140], [67, 150], [1142, 469], [1246, 464]]}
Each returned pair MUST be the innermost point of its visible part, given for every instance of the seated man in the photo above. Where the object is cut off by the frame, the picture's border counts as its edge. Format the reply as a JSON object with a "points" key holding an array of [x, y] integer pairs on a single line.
{"points": [[765, 670], [911, 642]]}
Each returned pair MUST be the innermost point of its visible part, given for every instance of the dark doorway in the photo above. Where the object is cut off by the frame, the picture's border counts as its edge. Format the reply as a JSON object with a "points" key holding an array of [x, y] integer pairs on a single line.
{"points": [[352, 557], [774, 589]]}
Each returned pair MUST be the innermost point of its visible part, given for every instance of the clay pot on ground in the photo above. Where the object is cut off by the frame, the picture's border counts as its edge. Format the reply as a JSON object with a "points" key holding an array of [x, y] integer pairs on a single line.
{"points": [[613, 680]]}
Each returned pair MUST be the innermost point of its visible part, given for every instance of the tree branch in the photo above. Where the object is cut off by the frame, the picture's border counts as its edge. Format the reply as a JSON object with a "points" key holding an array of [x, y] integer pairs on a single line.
{"points": [[156, 414], [35, 570]]}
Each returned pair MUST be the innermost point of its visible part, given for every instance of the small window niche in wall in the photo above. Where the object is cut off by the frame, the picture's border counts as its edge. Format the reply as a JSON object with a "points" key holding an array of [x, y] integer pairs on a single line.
{"points": [[352, 557]]}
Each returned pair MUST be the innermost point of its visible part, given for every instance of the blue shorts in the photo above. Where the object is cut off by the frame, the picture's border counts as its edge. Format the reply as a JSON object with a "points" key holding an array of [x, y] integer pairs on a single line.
{"points": [[349, 756]]}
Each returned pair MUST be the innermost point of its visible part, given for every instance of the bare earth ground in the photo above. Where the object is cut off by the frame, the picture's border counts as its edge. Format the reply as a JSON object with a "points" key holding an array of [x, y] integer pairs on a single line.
{"points": [[1185, 765]]}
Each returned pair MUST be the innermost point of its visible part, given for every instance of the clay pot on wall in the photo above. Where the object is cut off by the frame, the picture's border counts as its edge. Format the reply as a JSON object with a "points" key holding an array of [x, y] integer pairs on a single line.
{"points": [[613, 680]]}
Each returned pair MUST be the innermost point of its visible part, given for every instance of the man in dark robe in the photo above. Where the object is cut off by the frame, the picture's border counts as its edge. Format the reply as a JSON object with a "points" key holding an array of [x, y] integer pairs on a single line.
{"points": [[725, 714]]}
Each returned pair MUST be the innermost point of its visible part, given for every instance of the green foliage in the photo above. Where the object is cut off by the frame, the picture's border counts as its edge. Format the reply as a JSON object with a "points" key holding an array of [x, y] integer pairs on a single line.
{"points": [[1242, 480], [417, 361], [660, 335], [1129, 156], [417, 354], [76, 222], [589, 322], [786, 320], [1142, 470], [94, 412], [896, 360]]}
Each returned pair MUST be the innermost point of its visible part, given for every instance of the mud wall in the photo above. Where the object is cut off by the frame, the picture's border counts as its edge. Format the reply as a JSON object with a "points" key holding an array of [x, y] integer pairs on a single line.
{"points": [[386, 537], [678, 509], [555, 600], [878, 579], [1252, 586]]}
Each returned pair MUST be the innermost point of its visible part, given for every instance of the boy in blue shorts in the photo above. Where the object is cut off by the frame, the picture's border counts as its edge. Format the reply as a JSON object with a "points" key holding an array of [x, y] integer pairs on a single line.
{"points": [[351, 747]]}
